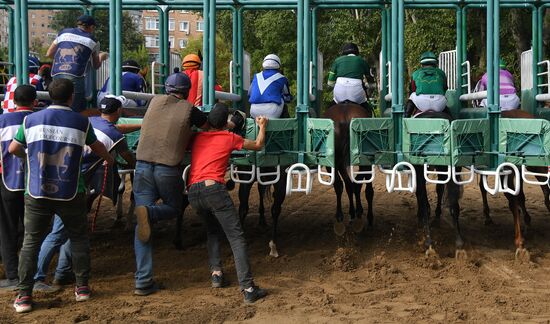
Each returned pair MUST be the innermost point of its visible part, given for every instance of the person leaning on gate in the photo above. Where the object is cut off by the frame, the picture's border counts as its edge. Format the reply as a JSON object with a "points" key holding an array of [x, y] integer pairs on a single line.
{"points": [[12, 185], [54, 139], [269, 91], [428, 87], [107, 133], [210, 152], [347, 75], [71, 52]]}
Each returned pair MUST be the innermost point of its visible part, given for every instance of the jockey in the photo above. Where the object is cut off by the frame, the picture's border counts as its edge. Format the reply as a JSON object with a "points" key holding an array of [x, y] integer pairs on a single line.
{"points": [[509, 100], [347, 74], [131, 81], [191, 66], [269, 90], [428, 86], [8, 105]]}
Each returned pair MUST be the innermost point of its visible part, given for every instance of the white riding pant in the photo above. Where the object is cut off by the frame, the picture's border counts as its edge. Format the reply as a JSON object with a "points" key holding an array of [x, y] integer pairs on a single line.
{"points": [[429, 102], [269, 110], [507, 102], [349, 89]]}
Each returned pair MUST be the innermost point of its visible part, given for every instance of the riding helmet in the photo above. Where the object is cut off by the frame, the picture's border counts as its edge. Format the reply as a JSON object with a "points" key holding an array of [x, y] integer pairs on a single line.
{"points": [[502, 63], [350, 48], [271, 61], [428, 58], [177, 83], [33, 64], [130, 66], [191, 61]]}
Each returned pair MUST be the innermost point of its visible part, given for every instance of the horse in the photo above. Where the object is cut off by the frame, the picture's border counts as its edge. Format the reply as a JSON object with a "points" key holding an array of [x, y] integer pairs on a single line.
{"points": [[342, 114], [516, 203]]}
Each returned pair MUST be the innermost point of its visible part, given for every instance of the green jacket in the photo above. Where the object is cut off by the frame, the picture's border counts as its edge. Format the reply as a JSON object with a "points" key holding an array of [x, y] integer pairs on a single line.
{"points": [[348, 66], [429, 80]]}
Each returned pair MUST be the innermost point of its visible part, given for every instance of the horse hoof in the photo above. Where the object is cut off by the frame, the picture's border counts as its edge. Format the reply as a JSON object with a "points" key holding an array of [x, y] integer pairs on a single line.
{"points": [[461, 255], [273, 250], [522, 255], [358, 225], [339, 228], [430, 252]]}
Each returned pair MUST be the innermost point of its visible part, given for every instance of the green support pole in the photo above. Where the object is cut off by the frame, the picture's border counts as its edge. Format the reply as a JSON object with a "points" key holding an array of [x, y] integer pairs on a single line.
{"points": [[533, 106], [205, 52], [314, 59], [24, 20], [93, 78], [459, 58], [113, 78], [166, 68], [11, 40], [493, 98], [302, 109], [464, 44], [163, 39], [383, 61], [240, 57], [17, 37], [118, 52], [300, 54], [212, 54], [237, 62], [397, 75]]}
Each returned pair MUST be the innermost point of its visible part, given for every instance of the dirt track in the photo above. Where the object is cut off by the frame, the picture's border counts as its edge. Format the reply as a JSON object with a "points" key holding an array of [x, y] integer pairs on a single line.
{"points": [[380, 276]]}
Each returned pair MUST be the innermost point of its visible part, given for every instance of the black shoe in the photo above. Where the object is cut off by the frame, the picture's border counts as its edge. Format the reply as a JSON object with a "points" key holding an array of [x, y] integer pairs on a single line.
{"points": [[151, 289], [63, 281], [9, 284], [218, 281], [254, 295]]}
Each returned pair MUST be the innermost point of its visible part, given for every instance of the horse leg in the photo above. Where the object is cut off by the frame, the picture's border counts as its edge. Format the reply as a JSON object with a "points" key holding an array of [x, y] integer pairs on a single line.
{"points": [[521, 253], [261, 208], [440, 190], [339, 228], [369, 194], [523, 208], [120, 193], [350, 190], [424, 210], [546, 193], [486, 210], [178, 241], [278, 199], [453, 200], [244, 193]]}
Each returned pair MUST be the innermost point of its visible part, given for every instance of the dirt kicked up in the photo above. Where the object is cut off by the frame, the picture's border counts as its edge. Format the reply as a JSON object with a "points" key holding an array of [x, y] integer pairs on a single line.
{"points": [[379, 276]]}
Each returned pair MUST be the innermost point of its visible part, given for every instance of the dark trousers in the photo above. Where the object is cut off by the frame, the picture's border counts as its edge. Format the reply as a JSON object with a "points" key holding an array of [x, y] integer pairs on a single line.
{"points": [[38, 216], [11, 216], [216, 208]]}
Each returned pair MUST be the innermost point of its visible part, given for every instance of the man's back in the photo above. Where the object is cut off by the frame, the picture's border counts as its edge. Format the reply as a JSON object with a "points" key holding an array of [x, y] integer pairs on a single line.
{"points": [[429, 80], [74, 49], [349, 66]]}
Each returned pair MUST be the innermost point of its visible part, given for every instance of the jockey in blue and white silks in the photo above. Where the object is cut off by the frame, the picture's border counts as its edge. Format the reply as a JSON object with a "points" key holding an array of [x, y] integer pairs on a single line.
{"points": [[269, 90], [54, 152], [13, 167]]}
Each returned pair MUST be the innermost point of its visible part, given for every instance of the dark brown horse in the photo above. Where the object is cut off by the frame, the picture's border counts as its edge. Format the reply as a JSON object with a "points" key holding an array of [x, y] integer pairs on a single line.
{"points": [[342, 114], [516, 203]]}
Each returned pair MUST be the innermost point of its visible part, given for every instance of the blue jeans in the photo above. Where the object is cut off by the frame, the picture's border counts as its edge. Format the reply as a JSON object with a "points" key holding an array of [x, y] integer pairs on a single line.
{"points": [[79, 83], [56, 240], [151, 183]]}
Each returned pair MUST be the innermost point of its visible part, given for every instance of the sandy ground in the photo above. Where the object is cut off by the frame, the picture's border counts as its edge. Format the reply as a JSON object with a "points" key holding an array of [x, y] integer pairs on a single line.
{"points": [[378, 276]]}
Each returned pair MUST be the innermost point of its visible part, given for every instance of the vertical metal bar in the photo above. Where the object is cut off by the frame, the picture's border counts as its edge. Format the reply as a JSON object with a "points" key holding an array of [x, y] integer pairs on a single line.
{"points": [[314, 59], [206, 52], [118, 53], [11, 40], [534, 63], [490, 49], [240, 56], [163, 41], [113, 77], [397, 75], [24, 20], [383, 60], [459, 49], [166, 68], [237, 65], [17, 37], [212, 53], [300, 54], [464, 45]]}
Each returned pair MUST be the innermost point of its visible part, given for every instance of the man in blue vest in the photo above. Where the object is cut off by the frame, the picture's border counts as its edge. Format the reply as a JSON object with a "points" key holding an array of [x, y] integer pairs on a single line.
{"points": [[131, 81], [107, 133], [12, 185], [71, 52], [269, 90], [55, 138]]}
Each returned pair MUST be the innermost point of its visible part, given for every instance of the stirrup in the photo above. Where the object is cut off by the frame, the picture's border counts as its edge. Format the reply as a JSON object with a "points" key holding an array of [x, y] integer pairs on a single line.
{"points": [[235, 174], [353, 175], [525, 173], [502, 185], [331, 175], [276, 173], [392, 173], [300, 170], [428, 173], [185, 177], [471, 173]]}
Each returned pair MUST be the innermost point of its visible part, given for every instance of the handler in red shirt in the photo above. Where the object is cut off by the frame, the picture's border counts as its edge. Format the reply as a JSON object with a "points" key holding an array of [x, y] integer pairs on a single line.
{"points": [[210, 153]]}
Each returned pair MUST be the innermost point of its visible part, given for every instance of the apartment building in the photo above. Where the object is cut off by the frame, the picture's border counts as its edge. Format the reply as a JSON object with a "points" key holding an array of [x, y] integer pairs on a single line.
{"points": [[183, 25], [40, 31]]}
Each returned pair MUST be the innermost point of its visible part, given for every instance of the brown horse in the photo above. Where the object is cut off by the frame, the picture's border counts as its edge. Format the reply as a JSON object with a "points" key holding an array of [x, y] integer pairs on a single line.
{"points": [[342, 114], [516, 203]]}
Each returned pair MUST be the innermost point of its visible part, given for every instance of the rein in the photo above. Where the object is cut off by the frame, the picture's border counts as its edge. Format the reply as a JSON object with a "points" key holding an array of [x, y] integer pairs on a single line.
{"points": [[94, 219]]}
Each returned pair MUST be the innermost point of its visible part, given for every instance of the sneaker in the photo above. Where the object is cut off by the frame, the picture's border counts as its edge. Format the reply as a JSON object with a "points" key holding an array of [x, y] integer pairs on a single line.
{"points": [[143, 226], [252, 296], [23, 304], [82, 293], [8, 284], [45, 288], [151, 289], [218, 281]]}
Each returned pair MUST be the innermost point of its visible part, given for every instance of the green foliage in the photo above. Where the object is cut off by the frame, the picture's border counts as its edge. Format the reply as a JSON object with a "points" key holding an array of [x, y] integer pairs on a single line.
{"points": [[131, 38], [140, 55]]}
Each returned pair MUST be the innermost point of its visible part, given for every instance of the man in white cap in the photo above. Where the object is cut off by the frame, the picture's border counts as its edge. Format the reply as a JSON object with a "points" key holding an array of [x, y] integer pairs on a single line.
{"points": [[269, 90]]}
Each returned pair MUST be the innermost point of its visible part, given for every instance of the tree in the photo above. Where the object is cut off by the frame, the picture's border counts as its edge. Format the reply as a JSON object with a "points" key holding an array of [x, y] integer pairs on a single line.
{"points": [[131, 38]]}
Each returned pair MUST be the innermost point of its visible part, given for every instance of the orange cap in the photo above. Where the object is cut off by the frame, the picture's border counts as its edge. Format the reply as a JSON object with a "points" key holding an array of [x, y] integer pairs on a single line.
{"points": [[191, 61]]}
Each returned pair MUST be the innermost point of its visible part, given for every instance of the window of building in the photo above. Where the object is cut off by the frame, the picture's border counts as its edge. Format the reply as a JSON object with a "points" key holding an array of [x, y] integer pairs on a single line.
{"points": [[200, 26], [171, 24], [172, 41], [33, 25], [184, 26], [152, 41], [151, 23], [183, 43], [33, 16]]}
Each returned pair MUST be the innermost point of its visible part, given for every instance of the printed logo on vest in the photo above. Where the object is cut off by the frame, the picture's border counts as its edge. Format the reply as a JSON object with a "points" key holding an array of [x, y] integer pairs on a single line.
{"points": [[55, 164], [50, 188]]}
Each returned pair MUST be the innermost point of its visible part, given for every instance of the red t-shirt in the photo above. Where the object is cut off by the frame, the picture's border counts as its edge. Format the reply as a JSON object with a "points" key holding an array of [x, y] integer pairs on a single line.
{"points": [[210, 153]]}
